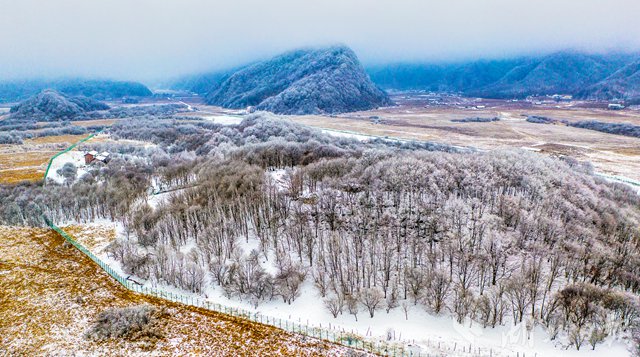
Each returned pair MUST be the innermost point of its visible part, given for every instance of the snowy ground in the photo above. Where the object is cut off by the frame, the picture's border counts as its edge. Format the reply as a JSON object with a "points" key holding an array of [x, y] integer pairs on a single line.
{"points": [[346, 134], [224, 119], [278, 177], [155, 200], [421, 331], [418, 329], [73, 156]]}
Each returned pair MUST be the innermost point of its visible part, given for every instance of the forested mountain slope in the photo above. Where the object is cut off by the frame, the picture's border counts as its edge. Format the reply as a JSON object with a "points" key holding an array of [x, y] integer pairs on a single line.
{"points": [[563, 72], [624, 84], [310, 81], [12, 91], [201, 84], [50, 105]]}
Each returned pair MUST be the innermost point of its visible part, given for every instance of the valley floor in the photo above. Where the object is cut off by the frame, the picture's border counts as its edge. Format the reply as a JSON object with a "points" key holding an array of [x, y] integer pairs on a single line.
{"points": [[50, 293], [416, 119]]}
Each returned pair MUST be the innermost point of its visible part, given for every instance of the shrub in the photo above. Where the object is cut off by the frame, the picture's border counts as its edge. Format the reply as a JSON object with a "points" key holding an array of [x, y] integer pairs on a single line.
{"points": [[10, 138], [610, 128], [130, 323], [540, 120], [475, 120]]}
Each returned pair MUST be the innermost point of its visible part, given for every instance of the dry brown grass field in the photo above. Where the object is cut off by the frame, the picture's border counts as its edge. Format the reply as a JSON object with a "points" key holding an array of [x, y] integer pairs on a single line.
{"points": [[50, 293], [87, 123], [28, 162], [60, 140]]}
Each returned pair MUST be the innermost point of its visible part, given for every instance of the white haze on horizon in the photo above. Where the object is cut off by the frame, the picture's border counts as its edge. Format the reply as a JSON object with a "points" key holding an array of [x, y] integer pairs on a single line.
{"points": [[150, 40]]}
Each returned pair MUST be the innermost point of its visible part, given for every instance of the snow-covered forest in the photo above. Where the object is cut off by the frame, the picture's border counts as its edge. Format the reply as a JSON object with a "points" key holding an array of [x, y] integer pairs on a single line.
{"points": [[497, 238]]}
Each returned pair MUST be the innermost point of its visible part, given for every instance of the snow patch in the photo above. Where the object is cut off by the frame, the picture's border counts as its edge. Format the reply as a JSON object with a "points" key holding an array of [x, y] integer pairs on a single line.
{"points": [[75, 157], [224, 119], [346, 134], [277, 176]]}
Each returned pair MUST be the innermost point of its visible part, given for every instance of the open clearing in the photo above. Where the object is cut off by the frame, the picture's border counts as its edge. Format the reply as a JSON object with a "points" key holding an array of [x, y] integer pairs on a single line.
{"points": [[50, 293], [28, 161]]}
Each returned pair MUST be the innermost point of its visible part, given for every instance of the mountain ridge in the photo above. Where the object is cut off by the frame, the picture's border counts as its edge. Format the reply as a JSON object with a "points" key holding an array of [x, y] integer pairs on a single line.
{"points": [[624, 84], [50, 105], [327, 80], [17, 90], [558, 73]]}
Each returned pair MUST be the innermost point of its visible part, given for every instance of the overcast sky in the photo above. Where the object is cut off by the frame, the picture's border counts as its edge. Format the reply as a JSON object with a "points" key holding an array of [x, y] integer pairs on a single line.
{"points": [[151, 39]]}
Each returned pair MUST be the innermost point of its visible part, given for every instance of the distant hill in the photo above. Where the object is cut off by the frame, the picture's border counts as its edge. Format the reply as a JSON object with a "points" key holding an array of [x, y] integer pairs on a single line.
{"points": [[456, 77], [310, 81], [201, 84], [624, 84], [13, 91], [561, 73], [558, 73], [50, 105], [99, 89]]}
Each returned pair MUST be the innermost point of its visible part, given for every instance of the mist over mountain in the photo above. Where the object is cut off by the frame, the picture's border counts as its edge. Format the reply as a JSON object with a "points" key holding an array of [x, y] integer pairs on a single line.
{"points": [[558, 73], [308, 81], [50, 105], [440, 77], [12, 91], [624, 84], [584, 75], [202, 83]]}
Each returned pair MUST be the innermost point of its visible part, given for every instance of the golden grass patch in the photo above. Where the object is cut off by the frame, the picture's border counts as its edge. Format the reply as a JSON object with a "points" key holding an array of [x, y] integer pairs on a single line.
{"points": [[25, 159], [28, 161], [94, 237], [16, 176], [58, 139], [50, 293], [23, 166], [86, 123]]}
